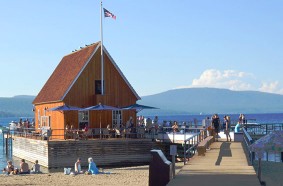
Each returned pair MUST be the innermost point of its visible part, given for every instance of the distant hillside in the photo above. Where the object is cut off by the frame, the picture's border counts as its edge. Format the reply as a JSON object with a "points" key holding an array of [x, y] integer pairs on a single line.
{"points": [[179, 101], [16, 106], [212, 100]]}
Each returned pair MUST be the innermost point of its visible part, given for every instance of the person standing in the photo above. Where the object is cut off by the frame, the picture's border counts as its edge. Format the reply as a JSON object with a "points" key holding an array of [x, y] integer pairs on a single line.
{"points": [[215, 124], [227, 127]]}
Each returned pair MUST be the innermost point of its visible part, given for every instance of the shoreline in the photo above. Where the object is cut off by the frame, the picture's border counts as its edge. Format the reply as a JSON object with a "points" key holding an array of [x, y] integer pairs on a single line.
{"points": [[138, 175]]}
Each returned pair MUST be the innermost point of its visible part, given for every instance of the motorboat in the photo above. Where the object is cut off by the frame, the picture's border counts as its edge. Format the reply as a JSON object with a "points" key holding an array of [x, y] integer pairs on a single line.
{"points": [[13, 125]]}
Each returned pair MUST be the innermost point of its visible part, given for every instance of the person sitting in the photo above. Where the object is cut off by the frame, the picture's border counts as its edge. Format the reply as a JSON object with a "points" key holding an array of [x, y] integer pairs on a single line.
{"points": [[24, 168], [92, 169], [36, 167], [175, 127], [237, 128], [78, 169], [9, 169]]}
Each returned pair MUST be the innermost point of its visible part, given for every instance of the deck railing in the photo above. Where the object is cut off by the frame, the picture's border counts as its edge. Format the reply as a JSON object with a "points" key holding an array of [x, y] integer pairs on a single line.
{"points": [[191, 143], [97, 133], [263, 129], [248, 140]]}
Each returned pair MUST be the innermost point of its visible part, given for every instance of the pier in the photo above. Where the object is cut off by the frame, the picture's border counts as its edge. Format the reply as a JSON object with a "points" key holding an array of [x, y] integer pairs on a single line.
{"points": [[225, 163]]}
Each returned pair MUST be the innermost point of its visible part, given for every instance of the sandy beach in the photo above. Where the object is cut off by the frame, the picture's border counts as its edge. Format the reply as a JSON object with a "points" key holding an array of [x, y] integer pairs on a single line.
{"points": [[139, 175], [119, 176]]}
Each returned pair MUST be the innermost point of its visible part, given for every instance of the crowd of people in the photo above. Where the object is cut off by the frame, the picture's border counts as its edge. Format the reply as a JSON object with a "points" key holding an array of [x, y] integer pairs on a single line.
{"points": [[216, 126], [154, 126], [10, 169]]}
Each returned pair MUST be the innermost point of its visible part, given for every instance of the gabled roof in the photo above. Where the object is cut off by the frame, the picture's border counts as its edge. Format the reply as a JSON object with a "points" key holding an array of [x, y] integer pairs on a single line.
{"points": [[68, 71]]}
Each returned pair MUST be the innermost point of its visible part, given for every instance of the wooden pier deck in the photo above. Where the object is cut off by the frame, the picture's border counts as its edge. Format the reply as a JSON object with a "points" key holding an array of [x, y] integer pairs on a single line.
{"points": [[224, 164]]}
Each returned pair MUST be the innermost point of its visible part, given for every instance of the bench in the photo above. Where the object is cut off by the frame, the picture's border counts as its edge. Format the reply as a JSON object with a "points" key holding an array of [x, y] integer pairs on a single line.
{"points": [[203, 145]]}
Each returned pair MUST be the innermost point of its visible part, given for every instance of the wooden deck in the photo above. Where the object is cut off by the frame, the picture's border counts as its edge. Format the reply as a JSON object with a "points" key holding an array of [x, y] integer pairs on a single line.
{"points": [[63, 153], [224, 164]]}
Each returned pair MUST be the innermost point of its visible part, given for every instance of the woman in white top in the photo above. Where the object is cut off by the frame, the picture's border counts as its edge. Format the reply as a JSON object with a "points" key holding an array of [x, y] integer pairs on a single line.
{"points": [[78, 169]]}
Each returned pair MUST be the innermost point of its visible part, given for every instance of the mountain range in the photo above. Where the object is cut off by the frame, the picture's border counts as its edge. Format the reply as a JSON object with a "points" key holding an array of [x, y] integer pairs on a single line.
{"points": [[212, 100], [178, 101], [17, 106]]}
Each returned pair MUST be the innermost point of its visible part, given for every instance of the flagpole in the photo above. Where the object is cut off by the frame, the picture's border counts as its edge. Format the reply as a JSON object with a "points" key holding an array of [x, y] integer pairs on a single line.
{"points": [[102, 62]]}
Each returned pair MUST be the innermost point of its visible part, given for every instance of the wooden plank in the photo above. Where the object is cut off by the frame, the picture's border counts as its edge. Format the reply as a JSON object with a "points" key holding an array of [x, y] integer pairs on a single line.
{"points": [[65, 152]]}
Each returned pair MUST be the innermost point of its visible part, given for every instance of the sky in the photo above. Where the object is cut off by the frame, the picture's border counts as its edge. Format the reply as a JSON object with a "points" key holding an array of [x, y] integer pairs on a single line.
{"points": [[159, 45]]}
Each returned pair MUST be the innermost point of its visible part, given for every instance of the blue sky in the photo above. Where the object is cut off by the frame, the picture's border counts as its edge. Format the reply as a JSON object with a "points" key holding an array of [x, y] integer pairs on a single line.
{"points": [[158, 44]]}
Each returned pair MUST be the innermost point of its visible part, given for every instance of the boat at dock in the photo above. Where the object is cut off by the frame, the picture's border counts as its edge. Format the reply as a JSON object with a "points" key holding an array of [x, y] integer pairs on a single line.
{"points": [[13, 125]]}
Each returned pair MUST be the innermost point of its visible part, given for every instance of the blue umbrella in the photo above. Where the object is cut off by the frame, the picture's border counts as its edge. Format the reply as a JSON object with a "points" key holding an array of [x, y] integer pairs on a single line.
{"points": [[138, 107], [101, 107], [64, 108]]}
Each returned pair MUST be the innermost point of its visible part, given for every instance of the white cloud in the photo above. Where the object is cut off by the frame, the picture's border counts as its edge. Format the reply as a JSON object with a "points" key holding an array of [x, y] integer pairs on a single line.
{"points": [[271, 87], [233, 80], [229, 79]]}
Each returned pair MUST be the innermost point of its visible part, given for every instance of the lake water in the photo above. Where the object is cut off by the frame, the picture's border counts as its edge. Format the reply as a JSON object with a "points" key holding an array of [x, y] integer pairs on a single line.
{"points": [[258, 118]]}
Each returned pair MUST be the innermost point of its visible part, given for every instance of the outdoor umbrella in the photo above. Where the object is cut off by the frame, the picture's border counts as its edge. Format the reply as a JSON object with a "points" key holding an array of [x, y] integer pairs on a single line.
{"points": [[101, 107], [272, 142], [64, 108], [137, 107]]}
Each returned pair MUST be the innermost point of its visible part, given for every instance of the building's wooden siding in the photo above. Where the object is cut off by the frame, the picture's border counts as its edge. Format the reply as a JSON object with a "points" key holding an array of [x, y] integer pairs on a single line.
{"points": [[104, 152], [117, 92], [58, 119], [82, 94], [31, 150]]}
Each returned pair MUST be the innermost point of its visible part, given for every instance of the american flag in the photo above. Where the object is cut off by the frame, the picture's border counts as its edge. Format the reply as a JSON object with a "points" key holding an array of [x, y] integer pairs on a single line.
{"points": [[108, 14]]}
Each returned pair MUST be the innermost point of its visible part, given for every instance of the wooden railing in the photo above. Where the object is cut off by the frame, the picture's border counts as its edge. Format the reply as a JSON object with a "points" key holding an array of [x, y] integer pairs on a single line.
{"points": [[192, 143]]}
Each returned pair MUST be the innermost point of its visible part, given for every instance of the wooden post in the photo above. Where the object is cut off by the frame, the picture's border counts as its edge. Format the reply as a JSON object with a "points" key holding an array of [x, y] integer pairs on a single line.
{"points": [[259, 169], [6, 139], [185, 142], [173, 153], [173, 165]]}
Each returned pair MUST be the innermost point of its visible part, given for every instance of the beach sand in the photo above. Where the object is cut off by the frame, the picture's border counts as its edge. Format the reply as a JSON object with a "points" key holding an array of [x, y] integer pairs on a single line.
{"points": [[272, 174], [119, 176]]}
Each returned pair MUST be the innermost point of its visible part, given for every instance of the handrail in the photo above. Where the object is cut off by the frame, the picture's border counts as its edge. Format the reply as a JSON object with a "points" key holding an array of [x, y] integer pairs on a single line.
{"points": [[135, 132], [193, 142], [247, 142]]}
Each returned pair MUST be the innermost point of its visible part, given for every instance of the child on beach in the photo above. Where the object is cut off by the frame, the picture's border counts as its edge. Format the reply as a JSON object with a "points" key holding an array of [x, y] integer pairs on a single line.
{"points": [[9, 168], [36, 167]]}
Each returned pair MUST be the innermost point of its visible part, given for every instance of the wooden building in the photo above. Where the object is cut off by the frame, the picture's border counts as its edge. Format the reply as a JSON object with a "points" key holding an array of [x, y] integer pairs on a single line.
{"points": [[76, 81]]}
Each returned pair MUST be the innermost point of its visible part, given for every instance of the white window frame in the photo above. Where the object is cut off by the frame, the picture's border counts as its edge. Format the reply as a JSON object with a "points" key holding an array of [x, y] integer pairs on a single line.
{"points": [[45, 121], [83, 117], [117, 116]]}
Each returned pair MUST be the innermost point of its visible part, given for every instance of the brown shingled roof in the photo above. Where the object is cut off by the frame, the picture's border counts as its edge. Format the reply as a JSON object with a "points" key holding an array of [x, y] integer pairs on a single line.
{"points": [[64, 75]]}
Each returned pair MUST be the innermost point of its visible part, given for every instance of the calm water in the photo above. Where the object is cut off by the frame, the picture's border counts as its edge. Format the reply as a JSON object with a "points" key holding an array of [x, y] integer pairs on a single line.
{"points": [[258, 118]]}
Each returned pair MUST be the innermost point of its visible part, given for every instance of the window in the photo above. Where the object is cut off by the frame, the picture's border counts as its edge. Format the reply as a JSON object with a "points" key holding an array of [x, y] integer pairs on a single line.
{"points": [[98, 87], [38, 118], [45, 121], [83, 119], [116, 118]]}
